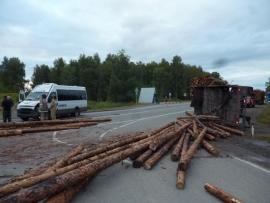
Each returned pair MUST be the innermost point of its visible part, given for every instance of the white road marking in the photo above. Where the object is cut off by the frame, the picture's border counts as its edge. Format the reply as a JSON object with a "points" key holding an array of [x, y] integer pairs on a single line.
{"points": [[252, 164], [55, 139], [112, 123], [138, 120]]}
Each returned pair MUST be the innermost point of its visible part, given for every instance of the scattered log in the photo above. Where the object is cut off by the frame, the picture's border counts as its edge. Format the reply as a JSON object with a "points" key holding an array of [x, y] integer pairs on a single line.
{"points": [[57, 184], [6, 133], [191, 151], [223, 133], [210, 148], [63, 161], [159, 154], [231, 130], [102, 149], [142, 158], [195, 127], [220, 194], [178, 148], [50, 123], [180, 179], [163, 138], [180, 174], [67, 195]]}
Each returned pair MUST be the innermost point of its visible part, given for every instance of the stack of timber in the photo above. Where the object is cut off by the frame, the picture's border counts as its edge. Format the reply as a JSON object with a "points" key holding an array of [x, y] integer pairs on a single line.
{"points": [[20, 128], [207, 81], [60, 181]]}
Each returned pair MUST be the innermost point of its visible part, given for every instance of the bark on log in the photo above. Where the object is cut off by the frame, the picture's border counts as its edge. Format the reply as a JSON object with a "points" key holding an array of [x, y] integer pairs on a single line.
{"points": [[210, 148], [55, 171], [159, 154], [231, 130], [50, 166], [191, 151], [6, 133], [180, 174], [163, 138], [178, 148], [63, 161], [220, 194], [223, 133], [58, 183], [50, 123], [206, 145], [142, 158], [67, 195], [102, 149], [195, 127]]}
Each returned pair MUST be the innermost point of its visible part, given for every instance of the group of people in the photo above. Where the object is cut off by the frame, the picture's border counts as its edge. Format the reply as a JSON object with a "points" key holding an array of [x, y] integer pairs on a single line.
{"points": [[44, 110]]}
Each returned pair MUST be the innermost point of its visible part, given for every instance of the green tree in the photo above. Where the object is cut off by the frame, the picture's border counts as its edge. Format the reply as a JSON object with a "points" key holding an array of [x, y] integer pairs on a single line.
{"points": [[12, 74], [41, 74]]}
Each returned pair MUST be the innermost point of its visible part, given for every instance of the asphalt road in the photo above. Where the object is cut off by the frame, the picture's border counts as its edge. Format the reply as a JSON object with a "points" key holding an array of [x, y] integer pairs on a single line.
{"points": [[238, 170]]}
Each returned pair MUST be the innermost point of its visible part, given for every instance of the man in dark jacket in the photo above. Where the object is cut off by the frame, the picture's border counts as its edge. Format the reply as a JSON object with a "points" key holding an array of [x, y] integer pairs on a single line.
{"points": [[7, 105]]}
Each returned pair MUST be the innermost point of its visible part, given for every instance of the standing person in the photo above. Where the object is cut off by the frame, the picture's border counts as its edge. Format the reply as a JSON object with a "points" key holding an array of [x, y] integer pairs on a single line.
{"points": [[43, 108], [53, 107], [7, 105]]}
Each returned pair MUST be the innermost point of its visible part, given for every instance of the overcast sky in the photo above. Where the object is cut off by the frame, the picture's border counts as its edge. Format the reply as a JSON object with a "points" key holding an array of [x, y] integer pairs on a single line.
{"points": [[231, 37]]}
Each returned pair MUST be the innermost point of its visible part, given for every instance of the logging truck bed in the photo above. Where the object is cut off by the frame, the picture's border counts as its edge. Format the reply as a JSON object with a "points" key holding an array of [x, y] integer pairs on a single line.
{"points": [[242, 168]]}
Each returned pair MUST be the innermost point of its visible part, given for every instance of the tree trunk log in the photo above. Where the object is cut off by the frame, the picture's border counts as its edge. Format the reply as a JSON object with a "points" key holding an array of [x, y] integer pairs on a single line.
{"points": [[180, 181], [180, 174], [57, 184], [210, 148], [231, 130], [163, 138], [13, 132], [142, 158], [111, 146], [191, 151], [159, 154], [178, 148], [220, 194]]}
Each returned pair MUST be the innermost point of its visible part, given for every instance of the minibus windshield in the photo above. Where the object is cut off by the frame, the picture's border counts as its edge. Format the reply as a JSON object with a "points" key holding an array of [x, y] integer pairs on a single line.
{"points": [[35, 96]]}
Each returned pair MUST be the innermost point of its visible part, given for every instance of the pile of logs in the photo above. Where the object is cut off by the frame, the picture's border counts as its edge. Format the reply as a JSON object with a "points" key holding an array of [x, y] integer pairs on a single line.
{"points": [[17, 128], [60, 180], [207, 81]]}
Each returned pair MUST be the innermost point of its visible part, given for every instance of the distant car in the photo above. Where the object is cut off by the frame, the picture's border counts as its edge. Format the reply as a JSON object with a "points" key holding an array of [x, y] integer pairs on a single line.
{"points": [[70, 100]]}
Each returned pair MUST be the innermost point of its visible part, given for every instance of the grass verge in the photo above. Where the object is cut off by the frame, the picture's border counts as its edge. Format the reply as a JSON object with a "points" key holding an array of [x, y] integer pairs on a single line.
{"points": [[264, 117], [93, 105]]}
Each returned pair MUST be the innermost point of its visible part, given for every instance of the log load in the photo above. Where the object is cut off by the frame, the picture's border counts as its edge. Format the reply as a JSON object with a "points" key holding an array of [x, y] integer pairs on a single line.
{"points": [[220, 194]]}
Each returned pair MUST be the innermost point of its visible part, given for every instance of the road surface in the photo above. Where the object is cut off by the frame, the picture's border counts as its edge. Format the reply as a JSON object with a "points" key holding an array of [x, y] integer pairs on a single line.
{"points": [[237, 170]]}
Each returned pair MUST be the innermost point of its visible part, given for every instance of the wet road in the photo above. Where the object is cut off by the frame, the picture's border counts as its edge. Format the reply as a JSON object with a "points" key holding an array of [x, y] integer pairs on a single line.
{"points": [[238, 169]]}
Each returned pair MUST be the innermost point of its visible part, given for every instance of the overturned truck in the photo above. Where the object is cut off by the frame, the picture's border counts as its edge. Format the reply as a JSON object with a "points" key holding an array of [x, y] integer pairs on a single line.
{"points": [[222, 100]]}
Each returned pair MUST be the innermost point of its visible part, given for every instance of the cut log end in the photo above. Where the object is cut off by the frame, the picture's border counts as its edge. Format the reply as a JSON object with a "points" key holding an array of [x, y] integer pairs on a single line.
{"points": [[180, 182]]}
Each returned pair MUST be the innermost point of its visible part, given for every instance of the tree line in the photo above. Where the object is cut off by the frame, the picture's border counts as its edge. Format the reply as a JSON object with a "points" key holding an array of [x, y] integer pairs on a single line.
{"points": [[113, 79]]}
